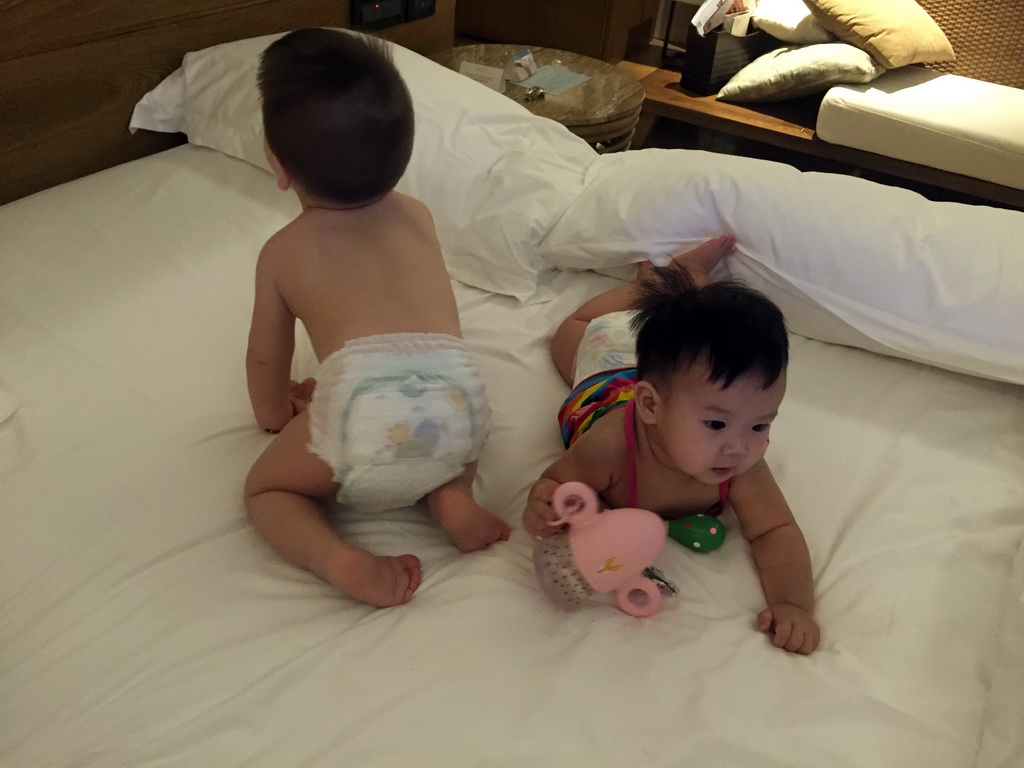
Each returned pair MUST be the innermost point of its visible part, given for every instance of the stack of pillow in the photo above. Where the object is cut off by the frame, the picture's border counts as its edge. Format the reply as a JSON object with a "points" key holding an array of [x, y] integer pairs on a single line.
{"points": [[829, 42]]}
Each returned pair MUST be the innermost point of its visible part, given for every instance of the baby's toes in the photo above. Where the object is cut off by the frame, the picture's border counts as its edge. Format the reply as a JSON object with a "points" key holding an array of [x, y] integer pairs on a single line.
{"points": [[409, 576]]}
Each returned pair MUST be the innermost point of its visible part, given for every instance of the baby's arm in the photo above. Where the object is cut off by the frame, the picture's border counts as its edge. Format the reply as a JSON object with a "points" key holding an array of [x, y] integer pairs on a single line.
{"points": [[781, 557], [268, 358], [586, 461]]}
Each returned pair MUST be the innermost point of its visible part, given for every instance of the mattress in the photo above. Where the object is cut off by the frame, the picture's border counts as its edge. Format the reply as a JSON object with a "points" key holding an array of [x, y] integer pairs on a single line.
{"points": [[143, 622]]}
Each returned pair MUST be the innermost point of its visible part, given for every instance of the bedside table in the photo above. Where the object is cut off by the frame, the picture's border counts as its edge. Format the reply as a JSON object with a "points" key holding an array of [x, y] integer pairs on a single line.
{"points": [[603, 110]]}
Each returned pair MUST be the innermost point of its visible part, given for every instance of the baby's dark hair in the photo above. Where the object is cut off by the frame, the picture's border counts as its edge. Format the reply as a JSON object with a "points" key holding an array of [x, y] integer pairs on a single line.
{"points": [[336, 113], [734, 329]]}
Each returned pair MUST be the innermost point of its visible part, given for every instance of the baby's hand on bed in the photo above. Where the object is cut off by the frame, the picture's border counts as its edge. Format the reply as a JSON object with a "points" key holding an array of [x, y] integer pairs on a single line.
{"points": [[299, 396], [538, 514], [790, 627]]}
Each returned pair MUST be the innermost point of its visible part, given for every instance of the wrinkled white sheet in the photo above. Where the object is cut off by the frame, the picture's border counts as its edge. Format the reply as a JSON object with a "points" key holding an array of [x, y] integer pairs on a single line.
{"points": [[143, 623]]}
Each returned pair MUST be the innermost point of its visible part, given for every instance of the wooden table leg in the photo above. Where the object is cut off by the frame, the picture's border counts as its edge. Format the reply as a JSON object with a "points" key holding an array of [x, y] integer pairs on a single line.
{"points": [[644, 124]]}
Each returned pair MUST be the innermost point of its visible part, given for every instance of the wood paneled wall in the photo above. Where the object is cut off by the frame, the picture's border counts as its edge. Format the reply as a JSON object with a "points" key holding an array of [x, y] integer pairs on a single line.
{"points": [[603, 29], [71, 71]]}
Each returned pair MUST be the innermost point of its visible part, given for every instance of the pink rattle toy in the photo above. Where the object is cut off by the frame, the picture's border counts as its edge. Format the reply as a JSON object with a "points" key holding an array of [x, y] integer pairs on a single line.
{"points": [[601, 552]]}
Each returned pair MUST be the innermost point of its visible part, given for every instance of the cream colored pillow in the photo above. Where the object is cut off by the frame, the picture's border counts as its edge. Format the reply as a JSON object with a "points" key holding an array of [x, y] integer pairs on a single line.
{"points": [[895, 32], [790, 21], [798, 70]]}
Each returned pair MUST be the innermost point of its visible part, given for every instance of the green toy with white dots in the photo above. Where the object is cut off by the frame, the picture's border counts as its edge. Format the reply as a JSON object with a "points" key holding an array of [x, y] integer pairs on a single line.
{"points": [[701, 533]]}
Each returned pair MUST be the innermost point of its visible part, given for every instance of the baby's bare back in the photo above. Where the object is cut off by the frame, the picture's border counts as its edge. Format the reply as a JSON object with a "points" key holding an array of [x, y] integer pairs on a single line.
{"points": [[360, 272]]}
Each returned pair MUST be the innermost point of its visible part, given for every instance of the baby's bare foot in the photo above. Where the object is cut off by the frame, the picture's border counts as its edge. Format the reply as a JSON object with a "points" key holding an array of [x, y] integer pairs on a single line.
{"points": [[701, 260], [468, 525], [379, 581], [698, 262]]}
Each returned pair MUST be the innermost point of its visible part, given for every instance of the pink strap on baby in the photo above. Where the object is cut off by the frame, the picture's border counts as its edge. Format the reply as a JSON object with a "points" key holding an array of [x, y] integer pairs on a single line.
{"points": [[631, 447], [629, 422]]}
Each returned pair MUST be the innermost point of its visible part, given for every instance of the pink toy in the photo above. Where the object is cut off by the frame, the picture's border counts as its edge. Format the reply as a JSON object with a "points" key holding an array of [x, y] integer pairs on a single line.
{"points": [[601, 552]]}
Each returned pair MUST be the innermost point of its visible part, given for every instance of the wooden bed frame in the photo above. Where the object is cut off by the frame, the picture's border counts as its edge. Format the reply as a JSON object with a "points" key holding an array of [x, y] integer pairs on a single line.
{"points": [[71, 72]]}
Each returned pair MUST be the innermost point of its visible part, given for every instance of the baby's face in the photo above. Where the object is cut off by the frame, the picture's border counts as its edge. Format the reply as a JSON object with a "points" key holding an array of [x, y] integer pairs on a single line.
{"points": [[713, 434]]}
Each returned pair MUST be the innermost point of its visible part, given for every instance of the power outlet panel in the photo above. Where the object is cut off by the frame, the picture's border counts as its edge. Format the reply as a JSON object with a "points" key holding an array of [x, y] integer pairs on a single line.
{"points": [[377, 14]]}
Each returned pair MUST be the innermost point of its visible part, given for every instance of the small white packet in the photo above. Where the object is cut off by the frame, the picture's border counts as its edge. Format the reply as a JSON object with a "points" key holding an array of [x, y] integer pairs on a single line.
{"points": [[520, 66], [492, 77]]}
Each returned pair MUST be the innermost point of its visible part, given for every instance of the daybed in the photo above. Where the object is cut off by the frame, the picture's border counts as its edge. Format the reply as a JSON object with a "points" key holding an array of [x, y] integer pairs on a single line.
{"points": [[144, 623], [873, 85], [970, 123]]}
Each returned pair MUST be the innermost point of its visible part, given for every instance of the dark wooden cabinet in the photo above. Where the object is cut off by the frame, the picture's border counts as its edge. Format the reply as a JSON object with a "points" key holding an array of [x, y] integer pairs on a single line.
{"points": [[603, 29]]}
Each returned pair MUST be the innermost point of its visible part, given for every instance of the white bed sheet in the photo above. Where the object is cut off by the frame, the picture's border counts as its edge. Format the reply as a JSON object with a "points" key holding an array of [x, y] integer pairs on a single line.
{"points": [[143, 623]]}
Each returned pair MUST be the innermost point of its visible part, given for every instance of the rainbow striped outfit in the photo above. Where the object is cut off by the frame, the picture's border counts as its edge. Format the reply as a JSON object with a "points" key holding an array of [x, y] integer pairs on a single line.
{"points": [[592, 398]]}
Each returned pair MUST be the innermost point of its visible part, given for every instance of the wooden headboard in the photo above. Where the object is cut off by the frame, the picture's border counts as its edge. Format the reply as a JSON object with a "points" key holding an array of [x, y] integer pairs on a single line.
{"points": [[71, 71]]}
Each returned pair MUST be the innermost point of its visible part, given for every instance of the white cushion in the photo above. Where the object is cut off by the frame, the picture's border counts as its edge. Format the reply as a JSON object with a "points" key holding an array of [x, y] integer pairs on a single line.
{"points": [[798, 70], [948, 122], [847, 260], [495, 176]]}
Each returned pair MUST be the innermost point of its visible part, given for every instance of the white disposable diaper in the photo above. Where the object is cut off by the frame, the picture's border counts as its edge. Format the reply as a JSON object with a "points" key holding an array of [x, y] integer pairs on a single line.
{"points": [[608, 343], [396, 416]]}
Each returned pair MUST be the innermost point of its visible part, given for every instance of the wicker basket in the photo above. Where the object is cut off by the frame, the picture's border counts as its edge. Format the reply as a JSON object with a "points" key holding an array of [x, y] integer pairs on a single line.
{"points": [[709, 62]]}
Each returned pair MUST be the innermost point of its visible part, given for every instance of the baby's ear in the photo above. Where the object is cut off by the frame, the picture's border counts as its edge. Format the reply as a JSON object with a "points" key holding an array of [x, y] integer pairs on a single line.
{"points": [[284, 179], [647, 400]]}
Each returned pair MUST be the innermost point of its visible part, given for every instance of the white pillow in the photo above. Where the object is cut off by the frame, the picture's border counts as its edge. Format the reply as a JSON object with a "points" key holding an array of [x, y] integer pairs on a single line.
{"points": [[849, 261], [8, 405], [495, 177], [793, 71], [790, 21], [163, 108]]}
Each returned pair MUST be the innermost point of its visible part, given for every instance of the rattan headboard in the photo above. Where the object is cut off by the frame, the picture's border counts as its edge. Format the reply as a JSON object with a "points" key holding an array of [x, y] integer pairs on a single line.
{"points": [[988, 38]]}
